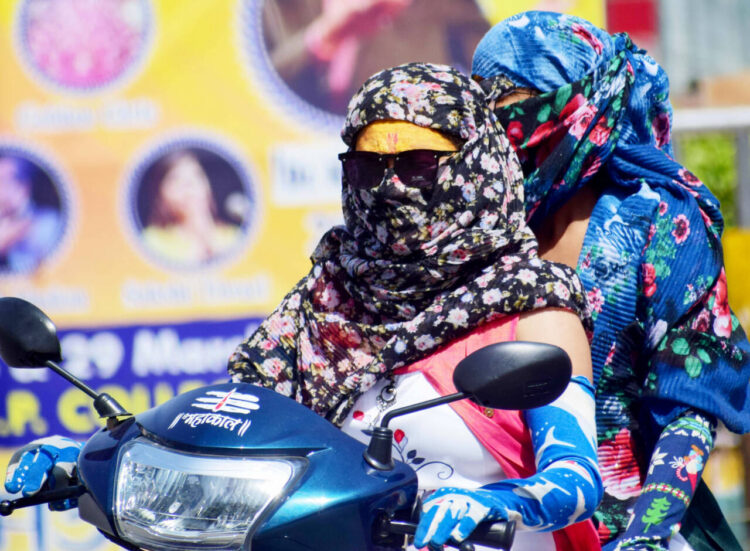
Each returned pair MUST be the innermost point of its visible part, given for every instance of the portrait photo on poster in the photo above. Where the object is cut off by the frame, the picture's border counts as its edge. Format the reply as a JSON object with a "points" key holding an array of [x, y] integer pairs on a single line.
{"points": [[82, 46], [310, 56], [34, 210], [191, 204]]}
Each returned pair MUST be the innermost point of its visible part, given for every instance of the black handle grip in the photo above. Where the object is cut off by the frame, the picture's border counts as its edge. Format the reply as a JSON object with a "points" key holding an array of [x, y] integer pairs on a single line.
{"points": [[8, 506], [498, 535]]}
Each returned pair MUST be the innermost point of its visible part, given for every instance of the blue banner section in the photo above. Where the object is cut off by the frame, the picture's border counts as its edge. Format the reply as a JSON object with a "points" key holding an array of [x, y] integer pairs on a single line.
{"points": [[140, 366]]}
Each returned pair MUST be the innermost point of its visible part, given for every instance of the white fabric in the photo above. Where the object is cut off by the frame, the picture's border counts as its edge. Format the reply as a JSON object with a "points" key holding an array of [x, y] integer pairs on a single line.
{"points": [[451, 455], [678, 543]]}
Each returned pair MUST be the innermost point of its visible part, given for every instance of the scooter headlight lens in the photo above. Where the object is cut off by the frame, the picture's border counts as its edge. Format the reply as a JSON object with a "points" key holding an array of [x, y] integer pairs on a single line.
{"points": [[168, 500]]}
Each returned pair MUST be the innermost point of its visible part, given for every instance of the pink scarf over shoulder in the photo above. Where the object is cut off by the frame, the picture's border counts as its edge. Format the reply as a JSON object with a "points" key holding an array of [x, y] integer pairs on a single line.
{"points": [[503, 433]]}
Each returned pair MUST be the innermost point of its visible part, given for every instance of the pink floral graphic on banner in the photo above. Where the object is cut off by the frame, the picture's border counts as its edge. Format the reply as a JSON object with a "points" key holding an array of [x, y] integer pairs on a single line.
{"points": [[84, 43]]}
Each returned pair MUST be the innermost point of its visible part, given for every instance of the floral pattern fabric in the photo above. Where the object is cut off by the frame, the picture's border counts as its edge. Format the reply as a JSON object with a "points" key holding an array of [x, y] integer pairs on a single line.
{"points": [[664, 338], [410, 270], [673, 472]]}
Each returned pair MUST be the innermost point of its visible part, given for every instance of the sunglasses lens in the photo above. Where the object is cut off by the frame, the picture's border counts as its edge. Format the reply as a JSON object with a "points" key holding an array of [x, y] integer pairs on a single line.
{"points": [[417, 168], [363, 171]]}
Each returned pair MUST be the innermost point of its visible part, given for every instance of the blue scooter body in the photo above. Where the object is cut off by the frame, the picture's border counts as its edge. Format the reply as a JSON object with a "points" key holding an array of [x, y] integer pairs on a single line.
{"points": [[334, 504]]}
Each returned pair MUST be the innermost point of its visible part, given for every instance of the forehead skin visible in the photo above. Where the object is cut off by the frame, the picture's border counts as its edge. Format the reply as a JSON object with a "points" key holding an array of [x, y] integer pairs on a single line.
{"points": [[398, 136]]}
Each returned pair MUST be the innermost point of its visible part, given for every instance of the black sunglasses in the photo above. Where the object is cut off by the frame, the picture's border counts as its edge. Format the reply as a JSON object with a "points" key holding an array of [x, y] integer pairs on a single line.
{"points": [[416, 167]]}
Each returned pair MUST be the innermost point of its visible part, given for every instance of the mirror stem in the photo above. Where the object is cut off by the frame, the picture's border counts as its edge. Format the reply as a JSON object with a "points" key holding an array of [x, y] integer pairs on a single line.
{"points": [[106, 406], [72, 380], [421, 405], [378, 453]]}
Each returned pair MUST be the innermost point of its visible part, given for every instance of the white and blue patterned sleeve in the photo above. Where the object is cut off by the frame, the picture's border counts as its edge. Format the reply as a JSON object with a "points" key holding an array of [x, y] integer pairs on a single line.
{"points": [[567, 487]]}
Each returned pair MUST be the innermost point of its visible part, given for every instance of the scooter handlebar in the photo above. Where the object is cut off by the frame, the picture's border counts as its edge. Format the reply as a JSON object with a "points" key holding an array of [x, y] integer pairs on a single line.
{"points": [[498, 535], [46, 496]]}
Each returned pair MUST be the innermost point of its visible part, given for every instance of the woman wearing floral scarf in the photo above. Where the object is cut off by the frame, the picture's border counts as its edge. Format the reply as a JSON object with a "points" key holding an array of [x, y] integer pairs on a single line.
{"points": [[434, 261], [589, 115]]}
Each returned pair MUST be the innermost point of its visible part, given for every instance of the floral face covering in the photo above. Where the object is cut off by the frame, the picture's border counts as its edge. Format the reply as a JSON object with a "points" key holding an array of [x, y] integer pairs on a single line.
{"points": [[603, 104], [412, 269]]}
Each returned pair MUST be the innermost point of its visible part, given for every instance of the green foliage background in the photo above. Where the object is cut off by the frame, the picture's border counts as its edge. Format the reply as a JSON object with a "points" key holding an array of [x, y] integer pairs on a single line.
{"points": [[711, 157]]}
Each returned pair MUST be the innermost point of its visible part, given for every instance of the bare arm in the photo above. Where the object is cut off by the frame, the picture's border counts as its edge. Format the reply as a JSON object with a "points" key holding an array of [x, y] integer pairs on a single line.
{"points": [[561, 328]]}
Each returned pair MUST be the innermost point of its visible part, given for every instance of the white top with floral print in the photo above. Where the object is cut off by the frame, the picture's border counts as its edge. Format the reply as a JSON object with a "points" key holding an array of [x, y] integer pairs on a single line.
{"points": [[437, 444]]}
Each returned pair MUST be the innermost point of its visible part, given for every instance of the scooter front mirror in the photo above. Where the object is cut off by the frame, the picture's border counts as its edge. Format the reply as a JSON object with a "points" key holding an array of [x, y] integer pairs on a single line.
{"points": [[514, 375], [28, 338]]}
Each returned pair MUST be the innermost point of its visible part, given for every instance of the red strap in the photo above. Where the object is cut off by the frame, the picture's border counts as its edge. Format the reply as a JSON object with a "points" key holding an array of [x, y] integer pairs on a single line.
{"points": [[581, 536]]}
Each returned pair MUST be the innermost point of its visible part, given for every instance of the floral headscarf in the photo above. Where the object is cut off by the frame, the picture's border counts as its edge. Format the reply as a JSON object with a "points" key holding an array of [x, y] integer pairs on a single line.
{"points": [[409, 271], [604, 102], [665, 339], [604, 109]]}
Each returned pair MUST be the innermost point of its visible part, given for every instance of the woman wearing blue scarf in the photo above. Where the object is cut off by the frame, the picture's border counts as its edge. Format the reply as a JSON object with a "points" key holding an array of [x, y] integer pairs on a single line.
{"points": [[589, 115]]}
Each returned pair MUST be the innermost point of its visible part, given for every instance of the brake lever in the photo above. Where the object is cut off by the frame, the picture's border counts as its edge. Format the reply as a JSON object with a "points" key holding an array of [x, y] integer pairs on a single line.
{"points": [[7, 506]]}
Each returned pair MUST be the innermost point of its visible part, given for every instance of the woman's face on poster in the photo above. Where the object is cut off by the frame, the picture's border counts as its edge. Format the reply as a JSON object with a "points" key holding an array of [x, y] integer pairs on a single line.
{"points": [[185, 188]]}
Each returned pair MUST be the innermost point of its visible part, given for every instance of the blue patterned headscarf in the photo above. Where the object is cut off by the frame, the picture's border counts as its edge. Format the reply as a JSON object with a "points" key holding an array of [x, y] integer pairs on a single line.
{"points": [[664, 338], [563, 49], [603, 110], [623, 85]]}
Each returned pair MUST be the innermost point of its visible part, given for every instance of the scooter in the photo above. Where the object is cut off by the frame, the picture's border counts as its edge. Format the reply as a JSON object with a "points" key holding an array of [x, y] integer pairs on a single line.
{"points": [[237, 467]]}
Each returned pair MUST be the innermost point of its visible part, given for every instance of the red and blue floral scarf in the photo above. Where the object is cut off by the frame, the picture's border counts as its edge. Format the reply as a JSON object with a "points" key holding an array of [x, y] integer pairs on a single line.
{"points": [[664, 339]]}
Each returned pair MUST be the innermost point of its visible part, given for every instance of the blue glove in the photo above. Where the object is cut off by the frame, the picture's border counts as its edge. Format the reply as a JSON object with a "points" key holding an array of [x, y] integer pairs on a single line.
{"points": [[453, 513], [52, 458]]}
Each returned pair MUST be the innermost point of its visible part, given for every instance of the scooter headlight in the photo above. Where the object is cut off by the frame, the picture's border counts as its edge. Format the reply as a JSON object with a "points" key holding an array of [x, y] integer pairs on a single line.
{"points": [[169, 500]]}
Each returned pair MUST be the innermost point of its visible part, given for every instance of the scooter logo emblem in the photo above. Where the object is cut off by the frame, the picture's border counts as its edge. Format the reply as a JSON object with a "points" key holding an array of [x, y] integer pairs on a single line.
{"points": [[216, 403], [231, 402]]}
